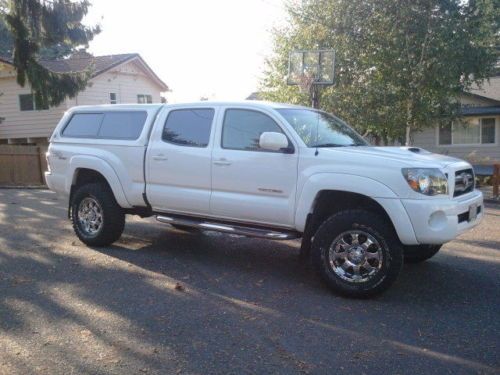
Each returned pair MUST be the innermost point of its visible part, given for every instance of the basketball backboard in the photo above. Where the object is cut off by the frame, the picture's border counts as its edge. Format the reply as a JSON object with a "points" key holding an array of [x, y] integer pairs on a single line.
{"points": [[315, 65]]}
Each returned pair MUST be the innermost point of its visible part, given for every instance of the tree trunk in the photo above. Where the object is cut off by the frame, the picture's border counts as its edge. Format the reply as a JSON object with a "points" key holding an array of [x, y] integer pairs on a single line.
{"points": [[408, 122], [408, 133]]}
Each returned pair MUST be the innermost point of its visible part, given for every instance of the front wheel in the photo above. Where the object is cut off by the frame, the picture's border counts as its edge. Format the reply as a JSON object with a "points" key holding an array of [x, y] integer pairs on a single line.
{"points": [[420, 253], [97, 218], [357, 253]]}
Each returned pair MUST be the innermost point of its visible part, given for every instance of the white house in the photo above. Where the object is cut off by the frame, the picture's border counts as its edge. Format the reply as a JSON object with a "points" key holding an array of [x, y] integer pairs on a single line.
{"points": [[124, 78], [476, 136]]}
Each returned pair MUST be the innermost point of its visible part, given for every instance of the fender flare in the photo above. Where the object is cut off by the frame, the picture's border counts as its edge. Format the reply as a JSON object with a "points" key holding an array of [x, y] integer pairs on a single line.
{"points": [[104, 168], [354, 184]]}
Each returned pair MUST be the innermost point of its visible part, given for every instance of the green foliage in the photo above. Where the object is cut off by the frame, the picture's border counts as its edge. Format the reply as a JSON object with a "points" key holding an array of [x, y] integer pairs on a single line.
{"points": [[57, 51], [400, 64], [6, 42], [47, 29], [53, 52]]}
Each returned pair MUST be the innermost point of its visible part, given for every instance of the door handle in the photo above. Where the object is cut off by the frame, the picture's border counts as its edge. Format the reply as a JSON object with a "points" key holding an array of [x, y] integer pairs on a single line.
{"points": [[160, 157], [222, 162]]}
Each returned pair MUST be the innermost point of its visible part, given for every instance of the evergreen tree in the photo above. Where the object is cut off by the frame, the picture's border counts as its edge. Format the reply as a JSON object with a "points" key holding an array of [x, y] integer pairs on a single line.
{"points": [[6, 43], [41, 28], [401, 65]]}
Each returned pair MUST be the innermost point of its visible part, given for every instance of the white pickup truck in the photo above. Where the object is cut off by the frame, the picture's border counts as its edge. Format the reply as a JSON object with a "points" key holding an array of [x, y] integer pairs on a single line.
{"points": [[267, 170]]}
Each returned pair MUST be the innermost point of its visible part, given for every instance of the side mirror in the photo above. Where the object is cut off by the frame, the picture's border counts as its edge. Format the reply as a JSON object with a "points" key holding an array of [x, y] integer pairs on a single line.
{"points": [[273, 141]]}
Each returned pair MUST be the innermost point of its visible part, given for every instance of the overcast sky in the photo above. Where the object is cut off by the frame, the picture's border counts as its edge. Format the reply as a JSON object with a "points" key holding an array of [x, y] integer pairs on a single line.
{"points": [[199, 48]]}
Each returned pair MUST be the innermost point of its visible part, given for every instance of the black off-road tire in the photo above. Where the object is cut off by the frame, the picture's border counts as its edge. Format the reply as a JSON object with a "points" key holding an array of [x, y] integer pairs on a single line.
{"points": [[377, 227], [420, 253], [113, 216]]}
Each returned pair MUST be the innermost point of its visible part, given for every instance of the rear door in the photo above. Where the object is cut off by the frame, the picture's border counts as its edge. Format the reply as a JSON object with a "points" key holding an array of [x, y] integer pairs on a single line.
{"points": [[250, 184], [178, 171]]}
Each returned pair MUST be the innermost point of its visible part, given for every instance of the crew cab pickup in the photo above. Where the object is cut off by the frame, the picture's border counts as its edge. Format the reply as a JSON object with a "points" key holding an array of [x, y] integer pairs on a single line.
{"points": [[267, 170]]}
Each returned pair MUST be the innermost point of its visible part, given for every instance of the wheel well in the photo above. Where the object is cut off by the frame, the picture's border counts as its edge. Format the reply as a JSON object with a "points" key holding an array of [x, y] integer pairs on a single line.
{"points": [[329, 202], [84, 176]]}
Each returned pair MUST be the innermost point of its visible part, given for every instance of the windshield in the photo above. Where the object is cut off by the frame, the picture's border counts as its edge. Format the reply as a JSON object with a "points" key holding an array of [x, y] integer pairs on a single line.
{"points": [[320, 129]]}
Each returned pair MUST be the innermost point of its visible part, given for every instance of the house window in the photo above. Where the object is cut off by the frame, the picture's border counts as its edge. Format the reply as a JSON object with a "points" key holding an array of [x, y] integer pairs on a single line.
{"points": [[144, 98], [445, 134], [468, 132], [488, 130], [27, 103], [112, 98]]}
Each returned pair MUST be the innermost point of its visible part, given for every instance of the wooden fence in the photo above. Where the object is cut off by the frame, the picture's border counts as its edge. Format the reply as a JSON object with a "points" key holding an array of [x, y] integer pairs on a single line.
{"points": [[496, 180], [22, 165]]}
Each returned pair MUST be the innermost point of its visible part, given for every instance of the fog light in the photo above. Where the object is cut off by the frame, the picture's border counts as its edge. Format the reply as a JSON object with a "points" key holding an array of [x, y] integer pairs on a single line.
{"points": [[437, 220]]}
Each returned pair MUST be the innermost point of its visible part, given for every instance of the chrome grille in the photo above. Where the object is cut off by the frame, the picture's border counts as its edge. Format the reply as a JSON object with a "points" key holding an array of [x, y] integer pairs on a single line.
{"points": [[464, 182]]}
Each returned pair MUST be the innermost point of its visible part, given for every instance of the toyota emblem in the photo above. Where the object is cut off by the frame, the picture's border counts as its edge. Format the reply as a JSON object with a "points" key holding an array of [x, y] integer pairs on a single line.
{"points": [[466, 180]]}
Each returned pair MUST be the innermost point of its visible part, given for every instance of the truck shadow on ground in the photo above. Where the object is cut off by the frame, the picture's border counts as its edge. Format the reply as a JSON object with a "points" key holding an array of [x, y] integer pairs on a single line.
{"points": [[163, 300], [208, 256], [492, 245]]}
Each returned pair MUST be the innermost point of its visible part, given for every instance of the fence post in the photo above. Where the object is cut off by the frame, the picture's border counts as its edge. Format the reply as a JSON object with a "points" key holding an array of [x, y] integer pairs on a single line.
{"points": [[40, 164], [496, 179]]}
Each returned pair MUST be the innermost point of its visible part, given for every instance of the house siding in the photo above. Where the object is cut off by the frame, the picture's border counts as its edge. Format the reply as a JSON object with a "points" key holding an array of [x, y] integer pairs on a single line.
{"points": [[127, 80], [428, 139], [24, 124]]}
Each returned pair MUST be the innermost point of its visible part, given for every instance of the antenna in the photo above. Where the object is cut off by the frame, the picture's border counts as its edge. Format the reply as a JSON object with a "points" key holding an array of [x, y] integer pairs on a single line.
{"points": [[317, 134]]}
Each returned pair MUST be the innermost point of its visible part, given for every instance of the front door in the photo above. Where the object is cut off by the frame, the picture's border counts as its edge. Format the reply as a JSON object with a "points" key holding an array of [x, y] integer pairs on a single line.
{"points": [[250, 184], [179, 161]]}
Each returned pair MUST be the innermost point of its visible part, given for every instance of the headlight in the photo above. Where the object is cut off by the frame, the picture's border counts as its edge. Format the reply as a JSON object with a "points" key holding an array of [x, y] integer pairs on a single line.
{"points": [[428, 181]]}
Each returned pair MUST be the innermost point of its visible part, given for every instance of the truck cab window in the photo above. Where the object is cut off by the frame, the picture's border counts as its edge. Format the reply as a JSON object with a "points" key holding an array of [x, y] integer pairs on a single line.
{"points": [[189, 127], [242, 129], [84, 125]]}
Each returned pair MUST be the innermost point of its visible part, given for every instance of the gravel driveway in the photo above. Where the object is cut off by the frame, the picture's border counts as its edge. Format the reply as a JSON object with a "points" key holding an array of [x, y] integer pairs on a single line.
{"points": [[162, 301]]}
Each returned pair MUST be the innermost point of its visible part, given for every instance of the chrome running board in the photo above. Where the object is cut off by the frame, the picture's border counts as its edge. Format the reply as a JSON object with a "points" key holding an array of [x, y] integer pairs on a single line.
{"points": [[244, 230]]}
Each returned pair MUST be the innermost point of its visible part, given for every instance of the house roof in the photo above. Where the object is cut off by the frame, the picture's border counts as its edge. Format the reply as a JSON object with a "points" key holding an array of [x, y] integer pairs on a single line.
{"points": [[5, 60], [98, 64], [254, 96], [489, 89], [480, 111]]}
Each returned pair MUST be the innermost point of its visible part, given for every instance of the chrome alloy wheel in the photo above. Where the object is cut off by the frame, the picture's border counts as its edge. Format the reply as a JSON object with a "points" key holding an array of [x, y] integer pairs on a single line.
{"points": [[90, 216], [355, 256]]}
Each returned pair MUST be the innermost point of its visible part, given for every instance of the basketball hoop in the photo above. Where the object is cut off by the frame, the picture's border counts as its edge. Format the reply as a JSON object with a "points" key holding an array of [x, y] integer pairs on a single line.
{"points": [[310, 70], [305, 83]]}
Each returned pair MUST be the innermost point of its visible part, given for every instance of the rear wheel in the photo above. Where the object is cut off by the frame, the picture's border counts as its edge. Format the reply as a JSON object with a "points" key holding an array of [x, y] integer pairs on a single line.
{"points": [[97, 218], [420, 253], [357, 253]]}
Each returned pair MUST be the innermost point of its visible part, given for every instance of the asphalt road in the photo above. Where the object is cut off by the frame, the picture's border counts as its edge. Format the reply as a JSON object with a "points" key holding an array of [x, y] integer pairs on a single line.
{"points": [[161, 301]]}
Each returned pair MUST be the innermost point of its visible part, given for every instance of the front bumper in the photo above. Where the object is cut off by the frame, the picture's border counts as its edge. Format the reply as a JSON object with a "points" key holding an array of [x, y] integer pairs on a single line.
{"points": [[441, 220]]}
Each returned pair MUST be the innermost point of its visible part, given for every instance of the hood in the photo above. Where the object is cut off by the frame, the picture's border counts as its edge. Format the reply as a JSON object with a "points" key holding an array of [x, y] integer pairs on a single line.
{"points": [[407, 155]]}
